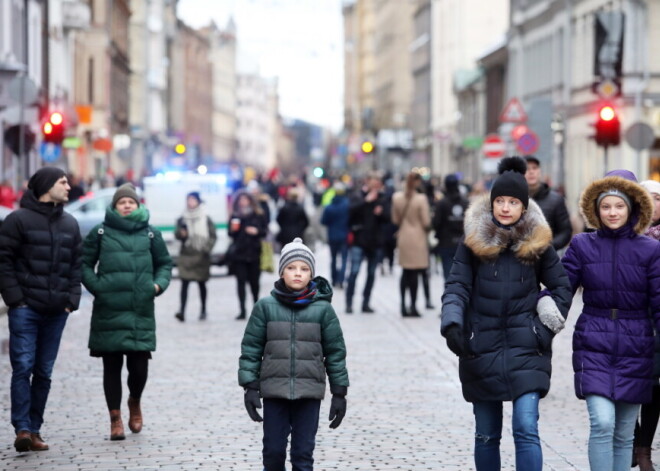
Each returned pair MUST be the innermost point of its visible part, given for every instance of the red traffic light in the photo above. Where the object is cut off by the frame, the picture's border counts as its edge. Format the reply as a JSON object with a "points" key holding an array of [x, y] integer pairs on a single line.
{"points": [[607, 113], [53, 128], [608, 127]]}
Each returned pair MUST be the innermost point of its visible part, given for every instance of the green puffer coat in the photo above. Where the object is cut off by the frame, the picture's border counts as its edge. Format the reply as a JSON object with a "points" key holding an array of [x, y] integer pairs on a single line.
{"points": [[132, 257], [287, 350]]}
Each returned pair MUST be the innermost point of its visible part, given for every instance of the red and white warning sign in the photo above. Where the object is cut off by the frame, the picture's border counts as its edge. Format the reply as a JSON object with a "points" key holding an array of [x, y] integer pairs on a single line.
{"points": [[513, 112]]}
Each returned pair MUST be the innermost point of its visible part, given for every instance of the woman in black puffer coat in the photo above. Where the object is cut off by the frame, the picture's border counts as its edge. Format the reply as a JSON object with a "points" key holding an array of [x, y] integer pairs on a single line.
{"points": [[490, 318], [247, 227]]}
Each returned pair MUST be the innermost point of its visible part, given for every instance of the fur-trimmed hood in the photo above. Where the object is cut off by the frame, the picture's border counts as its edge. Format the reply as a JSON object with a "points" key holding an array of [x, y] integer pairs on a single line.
{"points": [[528, 239], [642, 210]]}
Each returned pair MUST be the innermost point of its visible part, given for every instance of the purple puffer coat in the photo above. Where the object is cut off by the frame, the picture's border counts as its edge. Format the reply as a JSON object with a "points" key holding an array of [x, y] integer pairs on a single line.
{"points": [[620, 273]]}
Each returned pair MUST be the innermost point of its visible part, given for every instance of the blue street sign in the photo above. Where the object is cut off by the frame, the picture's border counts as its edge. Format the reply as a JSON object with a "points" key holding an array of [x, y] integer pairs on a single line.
{"points": [[50, 152]]}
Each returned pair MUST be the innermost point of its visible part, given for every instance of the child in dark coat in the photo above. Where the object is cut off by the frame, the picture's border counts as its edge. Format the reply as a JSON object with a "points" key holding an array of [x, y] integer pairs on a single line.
{"points": [[292, 340]]}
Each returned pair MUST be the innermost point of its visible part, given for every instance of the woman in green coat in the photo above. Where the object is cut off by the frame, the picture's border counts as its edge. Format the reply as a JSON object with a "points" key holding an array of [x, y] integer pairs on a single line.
{"points": [[125, 266]]}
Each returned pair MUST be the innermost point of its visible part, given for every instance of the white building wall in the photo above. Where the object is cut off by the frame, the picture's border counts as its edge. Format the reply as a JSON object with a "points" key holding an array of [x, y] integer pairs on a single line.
{"points": [[462, 30]]}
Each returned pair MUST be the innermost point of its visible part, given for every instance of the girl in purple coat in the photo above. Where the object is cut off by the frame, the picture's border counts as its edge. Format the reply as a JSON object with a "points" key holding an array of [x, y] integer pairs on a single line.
{"points": [[619, 270]]}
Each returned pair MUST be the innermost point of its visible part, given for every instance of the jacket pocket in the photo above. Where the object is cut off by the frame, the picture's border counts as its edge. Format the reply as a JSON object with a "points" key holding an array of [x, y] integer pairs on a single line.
{"points": [[543, 335]]}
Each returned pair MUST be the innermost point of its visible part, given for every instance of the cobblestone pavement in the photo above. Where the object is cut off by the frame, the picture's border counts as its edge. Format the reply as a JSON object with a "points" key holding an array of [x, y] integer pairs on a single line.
{"points": [[405, 408]]}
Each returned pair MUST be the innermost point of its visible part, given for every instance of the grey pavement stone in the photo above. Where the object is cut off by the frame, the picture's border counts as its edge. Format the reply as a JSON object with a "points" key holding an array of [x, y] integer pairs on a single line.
{"points": [[405, 407]]}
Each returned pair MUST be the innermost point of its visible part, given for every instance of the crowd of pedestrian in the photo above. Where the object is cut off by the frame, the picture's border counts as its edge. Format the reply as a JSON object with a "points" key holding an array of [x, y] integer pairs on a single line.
{"points": [[511, 264]]}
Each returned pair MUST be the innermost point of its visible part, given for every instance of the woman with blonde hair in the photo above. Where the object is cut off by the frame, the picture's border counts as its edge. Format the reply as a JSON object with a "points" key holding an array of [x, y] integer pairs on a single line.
{"points": [[410, 211]]}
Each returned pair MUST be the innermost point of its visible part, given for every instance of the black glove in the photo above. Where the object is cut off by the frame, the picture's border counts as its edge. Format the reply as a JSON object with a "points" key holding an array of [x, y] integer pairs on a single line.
{"points": [[252, 403], [455, 340], [337, 410]]}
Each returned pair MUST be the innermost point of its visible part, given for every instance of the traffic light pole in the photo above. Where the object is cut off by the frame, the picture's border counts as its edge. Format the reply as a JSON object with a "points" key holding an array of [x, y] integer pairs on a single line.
{"points": [[22, 161], [606, 149]]}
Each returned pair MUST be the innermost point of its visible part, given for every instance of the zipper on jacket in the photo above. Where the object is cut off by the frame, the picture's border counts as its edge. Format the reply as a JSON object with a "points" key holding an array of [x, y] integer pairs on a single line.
{"points": [[616, 336], [293, 355]]}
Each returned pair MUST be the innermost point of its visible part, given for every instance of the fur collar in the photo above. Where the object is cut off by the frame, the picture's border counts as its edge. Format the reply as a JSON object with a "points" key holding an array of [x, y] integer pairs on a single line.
{"points": [[642, 210], [528, 239]]}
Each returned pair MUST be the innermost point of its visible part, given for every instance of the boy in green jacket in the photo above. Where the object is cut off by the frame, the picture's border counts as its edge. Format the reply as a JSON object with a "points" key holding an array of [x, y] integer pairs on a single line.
{"points": [[292, 340]]}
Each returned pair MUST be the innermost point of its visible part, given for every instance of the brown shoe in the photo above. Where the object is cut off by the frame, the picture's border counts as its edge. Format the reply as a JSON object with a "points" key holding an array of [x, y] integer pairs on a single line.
{"points": [[116, 425], [23, 441], [135, 419], [37, 443]]}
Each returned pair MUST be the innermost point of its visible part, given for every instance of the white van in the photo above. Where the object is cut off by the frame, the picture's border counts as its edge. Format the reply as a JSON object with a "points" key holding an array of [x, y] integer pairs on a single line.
{"points": [[165, 196]]}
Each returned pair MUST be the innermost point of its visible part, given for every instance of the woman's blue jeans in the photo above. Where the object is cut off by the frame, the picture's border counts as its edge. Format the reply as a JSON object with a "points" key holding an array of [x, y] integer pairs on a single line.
{"points": [[611, 434], [488, 418], [34, 340]]}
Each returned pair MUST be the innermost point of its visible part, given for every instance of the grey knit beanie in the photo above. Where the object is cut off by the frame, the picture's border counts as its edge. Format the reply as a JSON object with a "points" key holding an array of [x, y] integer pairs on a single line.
{"points": [[618, 194], [296, 251]]}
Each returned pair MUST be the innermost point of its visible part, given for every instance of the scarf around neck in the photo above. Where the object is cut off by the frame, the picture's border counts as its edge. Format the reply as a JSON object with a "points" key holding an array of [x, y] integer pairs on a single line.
{"points": [[198, 229], [294, 298]]}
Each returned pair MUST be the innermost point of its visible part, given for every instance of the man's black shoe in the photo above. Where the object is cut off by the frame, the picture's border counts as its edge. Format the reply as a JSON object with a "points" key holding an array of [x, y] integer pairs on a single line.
{"points": [[367, 310]]}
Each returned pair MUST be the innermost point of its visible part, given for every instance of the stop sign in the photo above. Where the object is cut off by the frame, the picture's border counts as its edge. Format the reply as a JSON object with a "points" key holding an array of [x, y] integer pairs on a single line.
{"points": [[493, 146]]}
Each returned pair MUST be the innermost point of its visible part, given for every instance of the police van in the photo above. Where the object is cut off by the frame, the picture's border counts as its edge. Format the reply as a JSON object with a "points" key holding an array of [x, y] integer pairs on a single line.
{"points": [[165, 197]]}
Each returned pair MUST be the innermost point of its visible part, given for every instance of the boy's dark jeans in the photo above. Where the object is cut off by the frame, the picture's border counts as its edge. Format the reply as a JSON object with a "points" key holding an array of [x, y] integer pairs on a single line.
{"points": [[298, 418]]}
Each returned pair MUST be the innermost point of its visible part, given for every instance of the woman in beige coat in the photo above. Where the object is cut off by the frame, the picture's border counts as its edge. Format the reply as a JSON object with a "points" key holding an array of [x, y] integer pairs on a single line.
{"points": [[410, 211]]}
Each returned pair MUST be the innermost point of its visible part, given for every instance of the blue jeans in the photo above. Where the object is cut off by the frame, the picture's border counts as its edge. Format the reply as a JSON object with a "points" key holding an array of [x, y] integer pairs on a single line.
{"points": [[611, 434], [338, 249], [447, 256], [34, 340], [282, 418], [357, 255], [488, 418]]}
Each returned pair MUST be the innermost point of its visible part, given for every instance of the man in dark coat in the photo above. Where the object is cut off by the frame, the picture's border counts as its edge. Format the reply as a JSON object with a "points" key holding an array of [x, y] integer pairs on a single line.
{"points": [[551, 203], [448, 222], [368, 212], [40, 259]]}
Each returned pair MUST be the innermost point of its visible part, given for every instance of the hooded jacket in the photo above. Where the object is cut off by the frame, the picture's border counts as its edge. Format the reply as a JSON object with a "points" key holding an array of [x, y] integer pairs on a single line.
{"points": [[131, 258], [619, 271], [40, 250], [287, 350], [491, 293]]}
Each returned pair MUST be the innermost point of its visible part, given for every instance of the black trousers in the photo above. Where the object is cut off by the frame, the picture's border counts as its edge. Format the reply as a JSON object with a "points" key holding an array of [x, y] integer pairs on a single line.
{"points": [[247, 273], [282, 418], [137, 364], [184, 294]]}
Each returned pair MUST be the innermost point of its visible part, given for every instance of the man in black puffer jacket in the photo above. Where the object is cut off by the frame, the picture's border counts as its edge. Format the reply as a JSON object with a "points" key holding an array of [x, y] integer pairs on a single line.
{"points": [[551, 203], [40, 260]]}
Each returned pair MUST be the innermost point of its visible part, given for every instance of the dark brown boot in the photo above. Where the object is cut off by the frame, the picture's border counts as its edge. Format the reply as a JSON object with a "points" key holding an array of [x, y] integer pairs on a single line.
{"points": [[135, 419], [116, 425], [643, 455], [37, 443], [23, 441]]}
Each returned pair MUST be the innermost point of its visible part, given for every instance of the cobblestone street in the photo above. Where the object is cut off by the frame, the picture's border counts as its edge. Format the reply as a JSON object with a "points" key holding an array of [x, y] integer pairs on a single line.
{"points": [[405, 408]]}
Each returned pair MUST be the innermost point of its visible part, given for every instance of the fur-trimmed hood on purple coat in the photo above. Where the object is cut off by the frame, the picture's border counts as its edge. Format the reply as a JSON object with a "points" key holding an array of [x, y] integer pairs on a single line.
{"points": [[620, 273]]}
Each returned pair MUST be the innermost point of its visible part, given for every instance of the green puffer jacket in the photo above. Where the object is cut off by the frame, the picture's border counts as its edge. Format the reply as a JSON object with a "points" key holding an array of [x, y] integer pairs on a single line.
{"points": [[131, 257], [287, 350]]}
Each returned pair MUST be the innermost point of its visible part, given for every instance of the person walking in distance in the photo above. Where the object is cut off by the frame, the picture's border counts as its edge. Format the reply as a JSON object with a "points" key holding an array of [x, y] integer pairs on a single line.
{"points": [[367, 214], [335, 218], [410, 211], [247, 226], [291, 342], [448, 222], [125, 266], [494, 321], [196, 231], [649, 413], [613, 342], [40, 258], [551, 203]]}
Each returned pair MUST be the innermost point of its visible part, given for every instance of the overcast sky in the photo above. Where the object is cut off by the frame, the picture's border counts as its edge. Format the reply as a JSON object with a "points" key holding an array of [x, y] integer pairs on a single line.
{"points": [[299, 41]]}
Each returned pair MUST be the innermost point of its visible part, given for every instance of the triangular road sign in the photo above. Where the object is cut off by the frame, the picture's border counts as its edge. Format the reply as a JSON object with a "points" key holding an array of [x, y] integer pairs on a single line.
{"points": [[513, 112]]}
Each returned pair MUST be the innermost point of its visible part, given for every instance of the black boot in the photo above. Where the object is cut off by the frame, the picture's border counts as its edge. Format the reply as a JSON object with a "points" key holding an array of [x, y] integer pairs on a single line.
{"points": [[179, 315], [202, 316], [240, 317]]}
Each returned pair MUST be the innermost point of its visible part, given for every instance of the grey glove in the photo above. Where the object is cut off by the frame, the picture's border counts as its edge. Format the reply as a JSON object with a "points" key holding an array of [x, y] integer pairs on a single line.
{"points": [[252, 403], [549, 314]]}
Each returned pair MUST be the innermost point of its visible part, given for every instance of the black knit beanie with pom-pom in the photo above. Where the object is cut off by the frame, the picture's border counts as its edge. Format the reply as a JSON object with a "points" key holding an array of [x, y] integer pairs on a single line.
{"points": [[511, 181]]}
